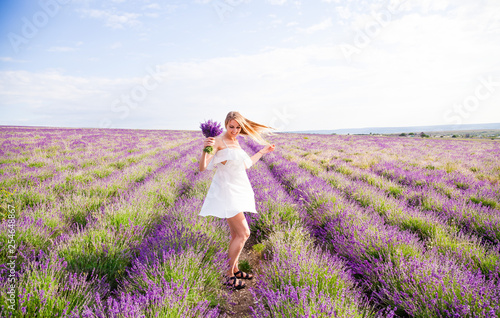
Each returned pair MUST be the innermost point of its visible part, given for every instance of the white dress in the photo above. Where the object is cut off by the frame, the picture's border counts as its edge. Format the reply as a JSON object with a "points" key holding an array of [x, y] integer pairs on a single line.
{"points": [[230, 191]]}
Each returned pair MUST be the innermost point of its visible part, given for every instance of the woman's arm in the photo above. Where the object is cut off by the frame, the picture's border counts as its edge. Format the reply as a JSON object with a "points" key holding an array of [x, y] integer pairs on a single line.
{"points": [[205, 157], [261, 152]]}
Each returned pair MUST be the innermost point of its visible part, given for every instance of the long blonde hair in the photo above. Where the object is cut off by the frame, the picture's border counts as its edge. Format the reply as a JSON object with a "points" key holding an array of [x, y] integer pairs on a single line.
{"points": [[248, 127]]}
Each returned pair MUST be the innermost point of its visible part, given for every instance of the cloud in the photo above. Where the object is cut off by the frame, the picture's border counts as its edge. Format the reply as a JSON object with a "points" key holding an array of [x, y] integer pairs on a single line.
{"points": [[65, 48], [9, 59], [397, 86], [61, 49], [277, 2], [323, 25], [152, 6], [112, 20], [115, 45]]}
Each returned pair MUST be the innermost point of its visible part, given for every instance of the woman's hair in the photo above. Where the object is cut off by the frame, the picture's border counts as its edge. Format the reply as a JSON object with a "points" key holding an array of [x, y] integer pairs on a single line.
{"points": [[248, 127]]}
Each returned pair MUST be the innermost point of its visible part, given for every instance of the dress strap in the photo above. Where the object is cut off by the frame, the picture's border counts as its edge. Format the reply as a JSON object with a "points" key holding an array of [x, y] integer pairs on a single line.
{"points": [[224, 142]]}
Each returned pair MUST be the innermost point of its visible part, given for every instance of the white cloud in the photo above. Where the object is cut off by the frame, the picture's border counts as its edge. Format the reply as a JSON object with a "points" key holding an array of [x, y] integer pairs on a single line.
{"points": [[393, 86], [112, 20], [152, 6], [65, 48], [323, 25], [61, 49], [9, 59], [115, 45], [277, 2]]}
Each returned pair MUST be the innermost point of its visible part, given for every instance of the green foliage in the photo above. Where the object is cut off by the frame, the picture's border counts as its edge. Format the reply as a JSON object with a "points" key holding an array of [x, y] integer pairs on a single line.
{"points": [[245, 266], [83, 179], [309, 166], [118, 165], [484, 201], [267, 222], [103, 173], [462, 185], [7, 202], [344, 170], [395, 191], [89, 163], [43, 291], [67, 167], [31, 198], [36, 164], [105, 251], [132, 160], [259, 248]]}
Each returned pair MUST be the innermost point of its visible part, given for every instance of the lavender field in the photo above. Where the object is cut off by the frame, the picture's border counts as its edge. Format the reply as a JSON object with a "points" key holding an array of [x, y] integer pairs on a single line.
{"points": [[103, 223]]}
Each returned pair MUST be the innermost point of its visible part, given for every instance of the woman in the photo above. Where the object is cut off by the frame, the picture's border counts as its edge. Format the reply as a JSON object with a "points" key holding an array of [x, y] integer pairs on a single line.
{"points": [[230, 193]]}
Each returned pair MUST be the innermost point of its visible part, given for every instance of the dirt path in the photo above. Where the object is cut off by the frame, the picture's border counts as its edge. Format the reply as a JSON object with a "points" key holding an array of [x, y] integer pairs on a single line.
{"points": [[241, 300]]}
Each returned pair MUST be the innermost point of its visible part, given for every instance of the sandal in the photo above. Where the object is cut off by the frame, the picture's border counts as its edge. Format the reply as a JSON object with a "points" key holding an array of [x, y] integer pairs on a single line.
{"points": [[243, 275], [240, 285]]}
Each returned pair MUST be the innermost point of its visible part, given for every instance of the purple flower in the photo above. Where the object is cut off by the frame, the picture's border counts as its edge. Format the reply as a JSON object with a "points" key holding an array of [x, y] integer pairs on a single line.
{"points": [[210, 128]]}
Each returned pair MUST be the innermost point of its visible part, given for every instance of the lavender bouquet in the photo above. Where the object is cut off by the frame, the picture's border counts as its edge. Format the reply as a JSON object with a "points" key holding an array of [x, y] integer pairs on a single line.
{"points": [[210, 128]]}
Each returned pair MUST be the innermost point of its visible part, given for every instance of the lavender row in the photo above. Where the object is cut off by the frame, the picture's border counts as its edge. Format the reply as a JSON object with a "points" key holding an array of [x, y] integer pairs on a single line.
{"points": [[39, 226], [75, 206], [431, 227], [465, 165], [177, 270], [39, 173], [91, 157], [469, 217], [374, 252], [296, 278], [456, 212], [113, 245], [447, 178]]}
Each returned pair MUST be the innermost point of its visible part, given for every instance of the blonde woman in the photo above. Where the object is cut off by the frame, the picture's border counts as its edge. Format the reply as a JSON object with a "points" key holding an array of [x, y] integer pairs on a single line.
{"points": [[230, 193]]}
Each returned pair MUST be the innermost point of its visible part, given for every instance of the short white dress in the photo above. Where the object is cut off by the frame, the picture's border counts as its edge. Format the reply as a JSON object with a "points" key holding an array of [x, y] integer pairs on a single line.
{"points": [[230, 191]]}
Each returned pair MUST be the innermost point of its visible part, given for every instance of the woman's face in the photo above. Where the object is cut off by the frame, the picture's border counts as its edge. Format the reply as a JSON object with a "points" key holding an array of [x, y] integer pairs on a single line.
{"points": [[233, 128]]}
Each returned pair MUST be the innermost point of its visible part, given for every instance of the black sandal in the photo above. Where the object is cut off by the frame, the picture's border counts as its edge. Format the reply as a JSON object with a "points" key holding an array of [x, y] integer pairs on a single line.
{"points": [[240, 285], [243, 275]]}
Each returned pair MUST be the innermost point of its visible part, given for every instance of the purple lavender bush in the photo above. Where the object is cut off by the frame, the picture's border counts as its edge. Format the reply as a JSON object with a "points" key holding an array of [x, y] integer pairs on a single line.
{"points": [[210, 128]]}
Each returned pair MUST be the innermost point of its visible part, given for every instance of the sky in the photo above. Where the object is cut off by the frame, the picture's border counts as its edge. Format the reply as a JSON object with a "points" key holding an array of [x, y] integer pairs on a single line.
{"points": [[291, 65]]}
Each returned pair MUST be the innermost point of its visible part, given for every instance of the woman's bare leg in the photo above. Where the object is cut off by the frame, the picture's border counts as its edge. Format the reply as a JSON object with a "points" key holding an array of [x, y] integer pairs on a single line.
{"points": [[240, 232]]}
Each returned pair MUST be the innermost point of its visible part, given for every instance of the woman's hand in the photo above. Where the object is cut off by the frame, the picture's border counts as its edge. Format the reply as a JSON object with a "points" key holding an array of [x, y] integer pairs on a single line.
{"points": [[267, 149], [209, 141]]}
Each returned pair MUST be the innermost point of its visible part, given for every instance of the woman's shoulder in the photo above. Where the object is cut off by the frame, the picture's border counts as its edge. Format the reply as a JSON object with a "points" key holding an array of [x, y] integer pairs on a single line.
{"points": [[218, 143]]}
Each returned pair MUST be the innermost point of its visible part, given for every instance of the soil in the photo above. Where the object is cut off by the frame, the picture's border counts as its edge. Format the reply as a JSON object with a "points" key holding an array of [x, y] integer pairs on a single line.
{"points": [[241, 300]]}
